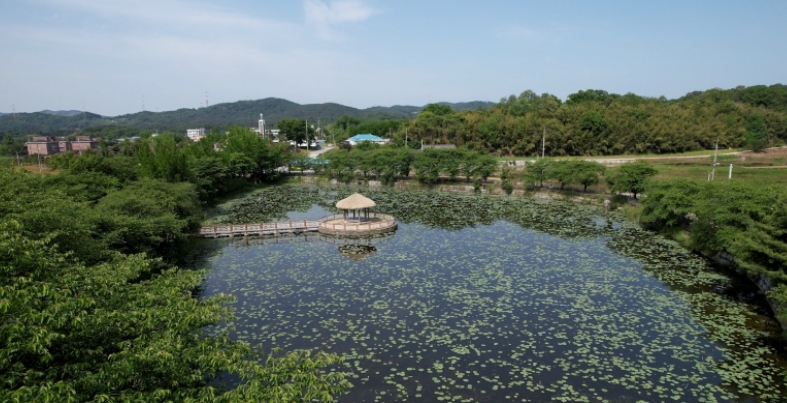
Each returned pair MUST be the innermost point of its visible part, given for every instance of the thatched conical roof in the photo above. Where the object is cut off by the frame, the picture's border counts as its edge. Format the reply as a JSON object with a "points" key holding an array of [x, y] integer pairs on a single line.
{"points": [[355, 201]]}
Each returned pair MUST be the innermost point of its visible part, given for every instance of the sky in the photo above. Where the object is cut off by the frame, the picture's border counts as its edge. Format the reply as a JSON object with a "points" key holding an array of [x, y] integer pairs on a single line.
{"points": [[112, 56]]}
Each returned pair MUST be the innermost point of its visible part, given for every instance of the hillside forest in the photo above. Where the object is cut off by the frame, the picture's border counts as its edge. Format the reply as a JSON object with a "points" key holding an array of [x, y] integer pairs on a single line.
{"points": [[586, 123]]}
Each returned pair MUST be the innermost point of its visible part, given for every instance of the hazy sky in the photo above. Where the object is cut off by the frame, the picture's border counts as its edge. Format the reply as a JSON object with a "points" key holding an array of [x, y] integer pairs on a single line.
{"points": [[109, 54]]}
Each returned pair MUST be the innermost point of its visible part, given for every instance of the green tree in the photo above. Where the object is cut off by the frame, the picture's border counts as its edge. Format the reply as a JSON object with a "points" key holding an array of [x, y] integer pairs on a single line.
{"points": [[427, 164], [631, 177], [587, 173], [762, 247], [438, 109], [296, 130], [756, 132], [148, 216], [9, 146], [163, 159], [563, 172], [120, 332], [345, 122], [505, 181], [537, 172]]}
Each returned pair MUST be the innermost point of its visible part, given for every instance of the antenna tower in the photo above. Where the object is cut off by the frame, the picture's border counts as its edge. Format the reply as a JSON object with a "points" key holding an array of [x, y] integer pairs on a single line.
{"points": [[13, 110], [143, 103], [206, 99]]}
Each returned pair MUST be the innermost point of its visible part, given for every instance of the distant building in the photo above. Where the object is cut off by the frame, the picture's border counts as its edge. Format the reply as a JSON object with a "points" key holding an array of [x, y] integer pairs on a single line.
{"points": [[195, 134], [43, 146], [51, 145], [366, 137], [63, 145], [84, 143], [260, 127]]}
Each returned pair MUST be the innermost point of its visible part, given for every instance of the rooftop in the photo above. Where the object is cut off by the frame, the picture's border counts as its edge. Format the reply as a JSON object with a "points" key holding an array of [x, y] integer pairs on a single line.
{"points": [[364, 137]]}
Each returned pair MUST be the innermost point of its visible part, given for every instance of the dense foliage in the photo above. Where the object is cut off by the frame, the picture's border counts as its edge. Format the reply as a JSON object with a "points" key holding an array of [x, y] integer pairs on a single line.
{"points": [[595, 122], [747, 220], [89, 310]]}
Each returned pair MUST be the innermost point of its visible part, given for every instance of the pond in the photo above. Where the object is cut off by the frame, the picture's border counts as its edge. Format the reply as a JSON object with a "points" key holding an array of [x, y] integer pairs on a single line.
{"points": [[496, 298]]}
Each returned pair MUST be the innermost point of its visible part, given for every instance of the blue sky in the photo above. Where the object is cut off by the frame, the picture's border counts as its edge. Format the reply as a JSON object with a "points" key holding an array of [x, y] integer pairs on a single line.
{"points": [[109, 54]]}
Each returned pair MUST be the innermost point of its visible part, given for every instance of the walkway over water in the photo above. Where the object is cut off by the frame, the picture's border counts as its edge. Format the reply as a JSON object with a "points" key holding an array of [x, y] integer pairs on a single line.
{"points": [[334, 225]]}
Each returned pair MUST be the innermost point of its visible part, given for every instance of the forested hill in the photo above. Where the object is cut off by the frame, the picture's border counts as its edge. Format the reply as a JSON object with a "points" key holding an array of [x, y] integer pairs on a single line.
{"points": [[47, 123], [243, 113], [595, 122]]}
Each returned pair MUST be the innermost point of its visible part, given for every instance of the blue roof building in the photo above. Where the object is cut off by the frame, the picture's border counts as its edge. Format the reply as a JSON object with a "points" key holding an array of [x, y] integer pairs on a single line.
{"points": [[366, 137]]}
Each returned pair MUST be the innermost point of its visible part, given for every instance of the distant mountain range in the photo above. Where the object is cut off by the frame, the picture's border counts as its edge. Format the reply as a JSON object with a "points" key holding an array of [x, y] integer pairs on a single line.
{"points": [[243, 113], [61, 113]]}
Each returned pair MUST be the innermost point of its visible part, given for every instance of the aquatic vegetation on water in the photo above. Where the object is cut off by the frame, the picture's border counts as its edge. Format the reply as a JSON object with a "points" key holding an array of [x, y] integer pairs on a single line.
{"points": [[515, 300]]}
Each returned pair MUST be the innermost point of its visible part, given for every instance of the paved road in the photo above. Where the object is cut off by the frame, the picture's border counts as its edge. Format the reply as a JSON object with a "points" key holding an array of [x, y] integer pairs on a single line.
{"points": [[315, 153], [623, 160]]}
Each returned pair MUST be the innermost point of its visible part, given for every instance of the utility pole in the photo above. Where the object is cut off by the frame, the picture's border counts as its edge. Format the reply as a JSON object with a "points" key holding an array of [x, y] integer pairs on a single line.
{"points": [[729, 176], [307, 134], [18, 162], [543, 142], [405, 137], [715, 153]]}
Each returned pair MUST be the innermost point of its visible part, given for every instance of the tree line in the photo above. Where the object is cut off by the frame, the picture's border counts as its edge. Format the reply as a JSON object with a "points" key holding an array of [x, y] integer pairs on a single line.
{"points": [[595, 122], [389, 163], [92, 304]]}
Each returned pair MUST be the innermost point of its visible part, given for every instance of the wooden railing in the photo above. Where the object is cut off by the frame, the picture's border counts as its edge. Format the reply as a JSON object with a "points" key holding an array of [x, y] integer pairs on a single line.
{"points": [[381, 222], [271, 228], [384, 221]]}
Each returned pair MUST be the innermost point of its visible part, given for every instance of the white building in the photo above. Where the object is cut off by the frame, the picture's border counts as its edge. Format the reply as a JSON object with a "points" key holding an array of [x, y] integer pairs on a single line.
{"points": [[195, 134], [261, 126]]}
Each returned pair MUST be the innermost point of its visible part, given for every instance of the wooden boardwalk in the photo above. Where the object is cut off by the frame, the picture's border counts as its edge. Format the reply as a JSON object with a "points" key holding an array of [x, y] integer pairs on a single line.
{"points": [[331, 225], [260, 229]]}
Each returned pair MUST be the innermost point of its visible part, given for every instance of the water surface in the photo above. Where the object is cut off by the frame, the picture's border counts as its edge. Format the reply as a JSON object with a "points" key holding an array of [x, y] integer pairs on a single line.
{"points": [[527, 302]]}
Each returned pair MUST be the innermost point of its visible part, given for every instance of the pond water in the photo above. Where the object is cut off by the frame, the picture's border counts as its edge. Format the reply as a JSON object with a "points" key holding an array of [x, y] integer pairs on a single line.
{"points": [[491, 299]]}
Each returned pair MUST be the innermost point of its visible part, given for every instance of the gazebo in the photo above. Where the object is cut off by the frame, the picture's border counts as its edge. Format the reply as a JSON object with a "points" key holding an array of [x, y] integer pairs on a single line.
{"points": [[359, 204]]}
